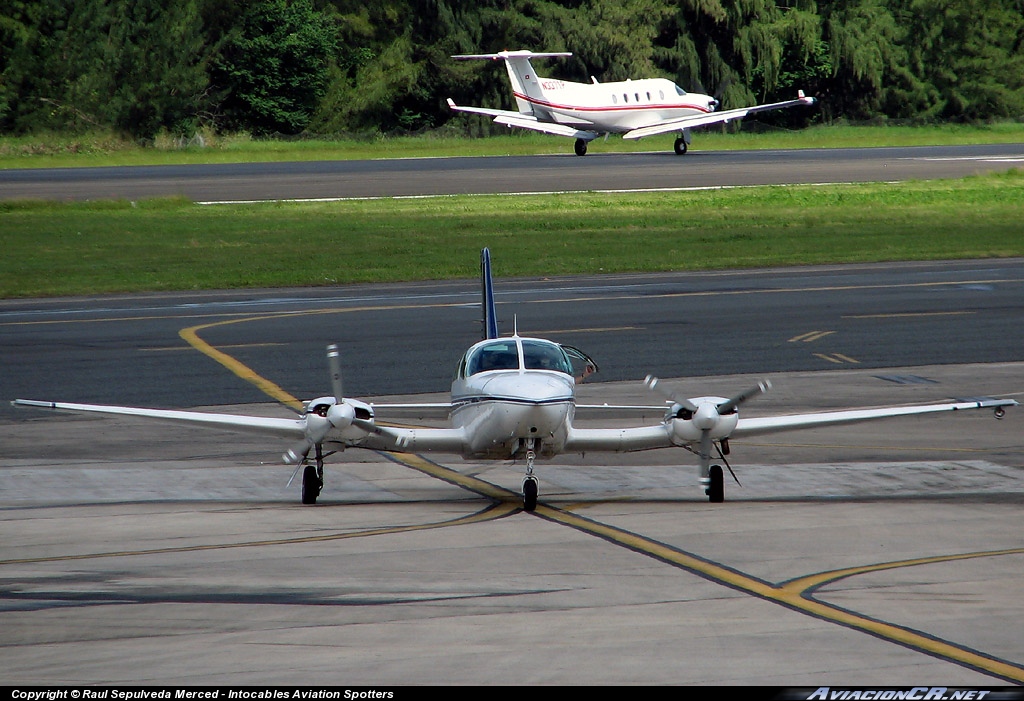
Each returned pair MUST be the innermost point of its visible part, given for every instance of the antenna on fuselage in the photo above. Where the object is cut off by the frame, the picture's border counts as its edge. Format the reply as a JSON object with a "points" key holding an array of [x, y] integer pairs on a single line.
{"points": [[490, 321]]}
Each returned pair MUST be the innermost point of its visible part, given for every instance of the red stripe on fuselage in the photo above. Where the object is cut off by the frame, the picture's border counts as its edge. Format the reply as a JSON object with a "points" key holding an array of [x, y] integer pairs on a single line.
{"points": [[617, 108]]}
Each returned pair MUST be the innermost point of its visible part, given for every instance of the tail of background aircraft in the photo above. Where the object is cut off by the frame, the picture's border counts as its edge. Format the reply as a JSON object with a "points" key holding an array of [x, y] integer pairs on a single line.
{"points": [[490, 329], [525, 84]]}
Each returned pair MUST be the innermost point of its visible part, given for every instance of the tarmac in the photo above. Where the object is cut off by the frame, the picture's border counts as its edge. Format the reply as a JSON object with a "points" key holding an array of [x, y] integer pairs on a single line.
{"points": [[883, 554]]}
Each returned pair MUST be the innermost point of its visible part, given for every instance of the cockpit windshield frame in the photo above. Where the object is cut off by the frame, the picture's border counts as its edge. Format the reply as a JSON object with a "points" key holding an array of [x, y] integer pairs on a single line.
{"points": [[516, 354]]}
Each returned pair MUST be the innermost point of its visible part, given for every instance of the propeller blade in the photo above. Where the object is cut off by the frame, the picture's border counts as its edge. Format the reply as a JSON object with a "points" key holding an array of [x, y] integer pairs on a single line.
{"points": [[334, 364], [297, 453], [654, 384], [730, 405]]}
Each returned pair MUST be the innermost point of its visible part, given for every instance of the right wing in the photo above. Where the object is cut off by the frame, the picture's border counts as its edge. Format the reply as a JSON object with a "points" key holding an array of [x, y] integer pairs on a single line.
{"points": [[285, 428], [365, 435], [526, 121]]}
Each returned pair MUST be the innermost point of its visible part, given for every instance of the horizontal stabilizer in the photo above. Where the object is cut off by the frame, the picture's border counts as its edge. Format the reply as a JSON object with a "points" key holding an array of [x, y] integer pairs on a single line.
{"points": [[511, 54]]}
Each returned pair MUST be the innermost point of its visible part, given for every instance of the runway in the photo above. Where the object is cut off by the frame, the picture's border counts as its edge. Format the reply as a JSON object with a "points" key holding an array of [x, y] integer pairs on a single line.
{"points": [[884, 554], [507, 174]]}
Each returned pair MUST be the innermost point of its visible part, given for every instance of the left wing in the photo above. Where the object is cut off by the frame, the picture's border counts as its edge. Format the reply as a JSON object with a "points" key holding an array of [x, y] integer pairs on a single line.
{"points": [[680, 432], [774, 424], [714, 118]]}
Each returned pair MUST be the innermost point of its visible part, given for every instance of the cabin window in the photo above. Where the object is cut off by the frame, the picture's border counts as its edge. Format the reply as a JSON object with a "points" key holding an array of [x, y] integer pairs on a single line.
{"points": [[615, 99], [661, 94], [637, 96], [625, 97], [648, 97]]}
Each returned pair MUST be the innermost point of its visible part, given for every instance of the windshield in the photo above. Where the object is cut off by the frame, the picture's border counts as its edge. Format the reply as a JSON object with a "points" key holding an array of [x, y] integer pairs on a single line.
{"points": [[500, 355], [540, 355], [503, 354]]}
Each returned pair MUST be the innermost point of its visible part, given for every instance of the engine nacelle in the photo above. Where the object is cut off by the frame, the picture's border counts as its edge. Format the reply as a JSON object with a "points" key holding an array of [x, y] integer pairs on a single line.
{"points": [[688, 426]]}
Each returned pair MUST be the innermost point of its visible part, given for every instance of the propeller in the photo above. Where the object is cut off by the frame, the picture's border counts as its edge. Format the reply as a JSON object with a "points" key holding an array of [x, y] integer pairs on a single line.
{"points": [[705, 417], [334, 364], [326, 413], [730, 405], [654, 384], [703, 411]]}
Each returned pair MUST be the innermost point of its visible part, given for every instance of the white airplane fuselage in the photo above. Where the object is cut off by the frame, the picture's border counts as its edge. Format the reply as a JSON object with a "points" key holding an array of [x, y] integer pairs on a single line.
{"points": [[613, 107], [511, 395]]}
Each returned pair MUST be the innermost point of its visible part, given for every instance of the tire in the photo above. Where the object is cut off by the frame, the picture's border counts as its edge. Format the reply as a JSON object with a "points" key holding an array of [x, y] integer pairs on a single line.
{"points": [[681, 146], [529, 495], [580, 148], [310, 485], [716, 485]]}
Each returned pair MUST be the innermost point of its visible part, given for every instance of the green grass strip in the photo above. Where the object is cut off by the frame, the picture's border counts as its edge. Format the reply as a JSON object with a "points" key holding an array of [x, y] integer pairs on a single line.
{"points": [[104, 247], [103, 149]]}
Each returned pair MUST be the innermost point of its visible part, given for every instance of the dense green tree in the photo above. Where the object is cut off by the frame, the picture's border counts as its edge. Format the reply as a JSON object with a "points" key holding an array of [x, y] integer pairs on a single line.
{"points": [[131, 65], [273, 66], [329, 66], [966, 57]]}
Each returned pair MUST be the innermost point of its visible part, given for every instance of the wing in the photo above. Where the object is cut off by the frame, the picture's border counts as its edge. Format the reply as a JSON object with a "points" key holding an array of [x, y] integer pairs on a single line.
{"points": [[372, 436], [621, 411], [285, 428], [776, 424], [704, 120], [618, 440], [439, 410], [679, 432], [526, 121]]}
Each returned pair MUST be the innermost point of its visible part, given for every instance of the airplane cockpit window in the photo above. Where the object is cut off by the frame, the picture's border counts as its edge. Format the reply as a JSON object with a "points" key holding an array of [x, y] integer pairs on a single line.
{"points": [[499, 355], [538, 355], [680, 91]]}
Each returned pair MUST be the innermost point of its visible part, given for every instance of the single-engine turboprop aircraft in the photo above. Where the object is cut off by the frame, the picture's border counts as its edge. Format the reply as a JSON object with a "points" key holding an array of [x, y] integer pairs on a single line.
{"points": [[513, 397], [585, 111]]}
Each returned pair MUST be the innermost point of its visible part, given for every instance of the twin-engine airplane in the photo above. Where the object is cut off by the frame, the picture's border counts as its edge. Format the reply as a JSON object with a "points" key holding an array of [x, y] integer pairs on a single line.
{"points": [[513, 397], [633, 108]]}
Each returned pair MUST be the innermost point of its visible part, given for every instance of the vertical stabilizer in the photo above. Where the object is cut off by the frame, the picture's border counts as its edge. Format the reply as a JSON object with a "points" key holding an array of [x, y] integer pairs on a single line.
{"points": [[525, 85], [490, 329]]}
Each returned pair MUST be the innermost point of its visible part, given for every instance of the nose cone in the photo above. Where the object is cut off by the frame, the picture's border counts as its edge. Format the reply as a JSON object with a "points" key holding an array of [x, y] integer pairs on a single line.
{"points": [[531, 387], [533, 404], [705, 417]]}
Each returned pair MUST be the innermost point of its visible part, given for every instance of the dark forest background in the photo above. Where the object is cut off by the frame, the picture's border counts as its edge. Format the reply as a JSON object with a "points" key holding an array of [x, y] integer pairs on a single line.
{"points": [[333, 67]]}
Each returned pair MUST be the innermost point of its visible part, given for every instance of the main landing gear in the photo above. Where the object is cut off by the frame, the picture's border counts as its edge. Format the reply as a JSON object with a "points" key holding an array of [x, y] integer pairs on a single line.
{"points": [[313, 478], [681, 146], [716, 485], [581, 147]]}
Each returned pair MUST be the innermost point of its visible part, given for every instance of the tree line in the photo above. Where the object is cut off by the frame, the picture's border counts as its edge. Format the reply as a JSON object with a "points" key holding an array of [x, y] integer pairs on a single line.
{"points": [[145, 67]]}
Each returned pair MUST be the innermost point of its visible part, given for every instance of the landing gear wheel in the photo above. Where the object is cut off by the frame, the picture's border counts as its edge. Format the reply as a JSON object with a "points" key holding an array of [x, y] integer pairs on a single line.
{"points": [[681, 146], [311, 485], [529, 494], [716, 485], [581, 147]]}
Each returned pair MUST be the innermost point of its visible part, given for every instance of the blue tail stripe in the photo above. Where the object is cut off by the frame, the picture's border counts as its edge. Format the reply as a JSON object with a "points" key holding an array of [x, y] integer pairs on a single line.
{"points": [[490, 329]]}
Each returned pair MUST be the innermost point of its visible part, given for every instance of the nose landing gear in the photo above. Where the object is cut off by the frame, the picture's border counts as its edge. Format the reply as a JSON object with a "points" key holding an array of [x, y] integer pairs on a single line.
{"points": [[530, 485]]}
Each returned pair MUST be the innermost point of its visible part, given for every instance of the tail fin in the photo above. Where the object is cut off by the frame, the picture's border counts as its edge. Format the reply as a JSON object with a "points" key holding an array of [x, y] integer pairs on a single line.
{"points": [[525, 84], [490, 329]]}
